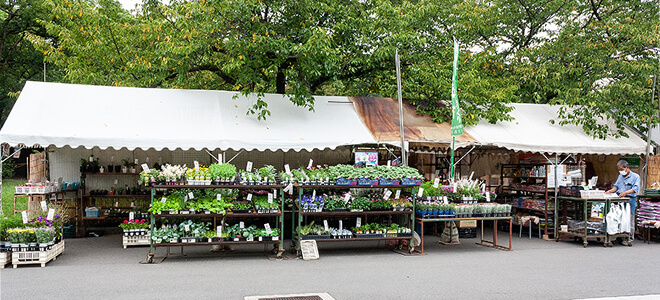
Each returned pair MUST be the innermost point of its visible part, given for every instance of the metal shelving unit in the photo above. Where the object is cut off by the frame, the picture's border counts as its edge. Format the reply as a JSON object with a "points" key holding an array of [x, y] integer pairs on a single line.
{"points": [[583, 214]]}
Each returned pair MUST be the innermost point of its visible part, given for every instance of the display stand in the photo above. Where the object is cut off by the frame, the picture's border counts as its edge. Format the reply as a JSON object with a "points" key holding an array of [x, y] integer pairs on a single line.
{"points": [[646, 229], [58, 197], [277, 242], [584, 234], [520, 185], [5, 258], [302, 217], [36, 257], [487, 243]]}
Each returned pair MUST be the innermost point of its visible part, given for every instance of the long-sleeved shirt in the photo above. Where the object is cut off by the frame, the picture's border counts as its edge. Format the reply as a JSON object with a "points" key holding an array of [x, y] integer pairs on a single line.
{"points": [[624, 183]]}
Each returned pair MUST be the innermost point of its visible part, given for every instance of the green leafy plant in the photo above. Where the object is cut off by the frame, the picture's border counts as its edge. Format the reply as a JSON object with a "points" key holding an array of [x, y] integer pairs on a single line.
{"points": [[360, 203], [172, 203], [224, 171]]}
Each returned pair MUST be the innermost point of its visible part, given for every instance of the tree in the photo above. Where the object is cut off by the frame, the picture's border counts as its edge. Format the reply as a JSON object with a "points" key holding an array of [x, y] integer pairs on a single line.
{"points": [[19, 61]]}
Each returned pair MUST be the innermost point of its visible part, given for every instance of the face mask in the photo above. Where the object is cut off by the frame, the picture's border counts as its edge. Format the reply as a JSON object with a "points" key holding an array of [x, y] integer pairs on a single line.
{"points": [[623, 173]]}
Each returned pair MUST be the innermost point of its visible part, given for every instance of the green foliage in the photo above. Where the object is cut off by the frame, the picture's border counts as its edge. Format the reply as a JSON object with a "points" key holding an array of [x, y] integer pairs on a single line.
{"points": [[173, 202], [224, 171], [362, 203]]}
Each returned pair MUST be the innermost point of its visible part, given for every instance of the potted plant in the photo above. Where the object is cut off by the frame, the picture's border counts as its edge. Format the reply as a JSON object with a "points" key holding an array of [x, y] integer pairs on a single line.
{"points": [[360, 204]]}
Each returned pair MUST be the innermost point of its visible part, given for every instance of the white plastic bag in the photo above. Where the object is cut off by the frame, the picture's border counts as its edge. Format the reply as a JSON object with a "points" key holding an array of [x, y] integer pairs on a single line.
{"points": [[625, 218], [613, 219]]}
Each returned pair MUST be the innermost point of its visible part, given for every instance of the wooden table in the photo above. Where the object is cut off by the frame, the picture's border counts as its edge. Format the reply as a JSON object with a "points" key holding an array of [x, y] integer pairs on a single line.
{"points": [[487, 243]]}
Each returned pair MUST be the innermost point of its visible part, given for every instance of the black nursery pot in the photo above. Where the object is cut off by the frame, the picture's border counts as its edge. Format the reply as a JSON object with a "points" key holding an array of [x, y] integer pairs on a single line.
{"points": [[110, 168], [117, 168]]}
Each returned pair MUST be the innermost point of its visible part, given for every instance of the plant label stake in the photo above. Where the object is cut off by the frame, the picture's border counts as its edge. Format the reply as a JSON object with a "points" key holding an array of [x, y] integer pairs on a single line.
{"points": [[185, 199], [309, 166], [445, 200], [163, 200], [274, 194], [487, 197], [196, 166], [219, 197], [43, 205], [145, 168], [398, 194], [51, 214], [270, 198], [436, 183], [358, 222], [267, 226], [132, 204], [387, 195], [420, 192], [191, 195], [186, 227], [131, 215], [25, 218], [249, 166], [287, 169], [116, 203], [219, 231], [116, 181], [136, 161], [314, 195], [289, 188], [249, 197], [325, 224], [241, 224], [347, 197], [389, 164], [341, 225], [219, 158]]}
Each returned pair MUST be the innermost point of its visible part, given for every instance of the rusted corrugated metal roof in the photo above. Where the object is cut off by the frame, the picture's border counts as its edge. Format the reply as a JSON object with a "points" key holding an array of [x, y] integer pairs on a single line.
{"points": [[381, 116]]}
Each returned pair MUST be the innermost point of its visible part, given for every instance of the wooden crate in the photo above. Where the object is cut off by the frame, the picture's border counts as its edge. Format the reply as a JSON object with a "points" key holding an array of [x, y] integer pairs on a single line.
{"points": [[136, 240], [5, 258], [36, 257], [654, 171], [37, 164]]}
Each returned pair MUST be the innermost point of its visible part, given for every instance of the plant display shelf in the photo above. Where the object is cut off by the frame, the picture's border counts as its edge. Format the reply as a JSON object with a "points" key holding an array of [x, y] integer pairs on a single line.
{"points": [[109, 173], [584, 214], [486, 243], [5, 258], [279, 218], [302, 216], [646, 230], [136, 240], [36, 257]]}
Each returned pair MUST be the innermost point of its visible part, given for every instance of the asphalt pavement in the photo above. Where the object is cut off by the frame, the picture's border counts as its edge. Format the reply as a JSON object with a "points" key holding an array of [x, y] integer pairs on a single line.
{"points": [[99, 268]]}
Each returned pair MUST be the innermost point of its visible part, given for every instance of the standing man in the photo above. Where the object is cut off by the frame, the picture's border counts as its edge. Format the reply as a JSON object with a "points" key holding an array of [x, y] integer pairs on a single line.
{"points": [[627, 185]]}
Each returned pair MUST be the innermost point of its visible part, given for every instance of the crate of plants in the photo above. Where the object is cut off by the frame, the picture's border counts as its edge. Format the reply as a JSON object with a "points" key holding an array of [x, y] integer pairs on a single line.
{"points": [[5, 258], [339, 234], [402, 204], [312, 231], [167, 233], [334, 203], [264, 235], [359, 204], [265, 204], [236, 233], [266, 175], [242, 207], [395, 230], [135, 227], [223, 174], [372, 230], [170, 204], [312, 203], [198, 176], [464, 211]]}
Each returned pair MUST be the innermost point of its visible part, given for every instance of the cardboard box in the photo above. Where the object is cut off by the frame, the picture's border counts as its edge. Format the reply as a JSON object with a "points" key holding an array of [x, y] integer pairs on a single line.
{"points": [[467, 224]]}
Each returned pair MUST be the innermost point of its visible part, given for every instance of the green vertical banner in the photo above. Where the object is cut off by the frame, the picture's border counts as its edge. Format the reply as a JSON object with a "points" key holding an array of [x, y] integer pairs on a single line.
{"points": [[456, 120]]}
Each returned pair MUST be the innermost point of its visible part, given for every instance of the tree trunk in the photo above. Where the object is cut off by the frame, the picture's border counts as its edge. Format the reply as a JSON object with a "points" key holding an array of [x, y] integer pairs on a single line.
{"points": [[280, 82]]}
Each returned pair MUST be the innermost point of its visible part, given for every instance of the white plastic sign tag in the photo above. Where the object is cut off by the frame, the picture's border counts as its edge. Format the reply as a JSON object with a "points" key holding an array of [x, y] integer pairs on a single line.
{"points": [[116, 181], [249, 166], [387, 195], [219, 231], [185, 199], [358, 222], [241, 224], [398, 194], [341, 225], [274, 194], [219, 197], [289, 188], [420, 192], [436, 183], [270, 198], [132, 204], [51, 214], [287, 169], [145, 168], [186, 227], [116, 203], [43, 205], [136, 161], [25, 218], [314, 195], [196, 166], [445, 201], [347, 197], [268, 230], [309, 166], [389, 164], [249, 197], [163, 200], [131, 215], [487, 197], [191, 196], [325, 225]]}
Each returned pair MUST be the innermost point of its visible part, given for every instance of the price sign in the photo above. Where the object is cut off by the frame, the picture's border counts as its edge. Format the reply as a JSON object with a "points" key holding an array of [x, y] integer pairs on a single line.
{"points": [[43, 205], [487, 197], [420, 192], [185, 199], [309, 166], [191, 195], [219, 197], [347, 197], [51, 214], [196, 166], [287, 169], [268, 230], [241, 224], [270, 198], [325, 225], [116, 181], [398, 194], [186, 227], [25, 217], [132, 204], [314, 195], [145, 168], [358, 222], [274, 194], [249, 166], [219, 231], [131, 215], [163, 200], [249, 197], [341, 225], [387, 195], [116, 203], [389, 164], [436, 183]]}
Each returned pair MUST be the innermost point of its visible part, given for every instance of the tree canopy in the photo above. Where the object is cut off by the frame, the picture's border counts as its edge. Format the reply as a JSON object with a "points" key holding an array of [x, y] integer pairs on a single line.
{"points": [[593, 55]]}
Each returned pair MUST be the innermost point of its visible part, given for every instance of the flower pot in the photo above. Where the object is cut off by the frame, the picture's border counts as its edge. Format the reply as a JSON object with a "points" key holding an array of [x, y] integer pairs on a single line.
{"points": [[126, 232], [132, 170], [43, 246], [33, 247]]}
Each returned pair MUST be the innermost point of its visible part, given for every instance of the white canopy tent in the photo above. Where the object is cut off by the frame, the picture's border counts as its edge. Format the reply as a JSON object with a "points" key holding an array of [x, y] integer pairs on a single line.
{"points": [[531, 131], [56, 114]]}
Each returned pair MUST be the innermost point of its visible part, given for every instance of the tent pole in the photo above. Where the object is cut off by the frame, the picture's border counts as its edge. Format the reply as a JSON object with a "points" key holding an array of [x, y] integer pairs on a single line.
{"points": [[404, 159], [451, 172], [556, 193], [645, 178]]}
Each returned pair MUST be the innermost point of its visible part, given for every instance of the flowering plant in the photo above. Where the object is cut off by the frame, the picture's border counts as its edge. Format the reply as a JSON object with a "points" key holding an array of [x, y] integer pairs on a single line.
{"points": [[173, 172], [134, 224]]}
